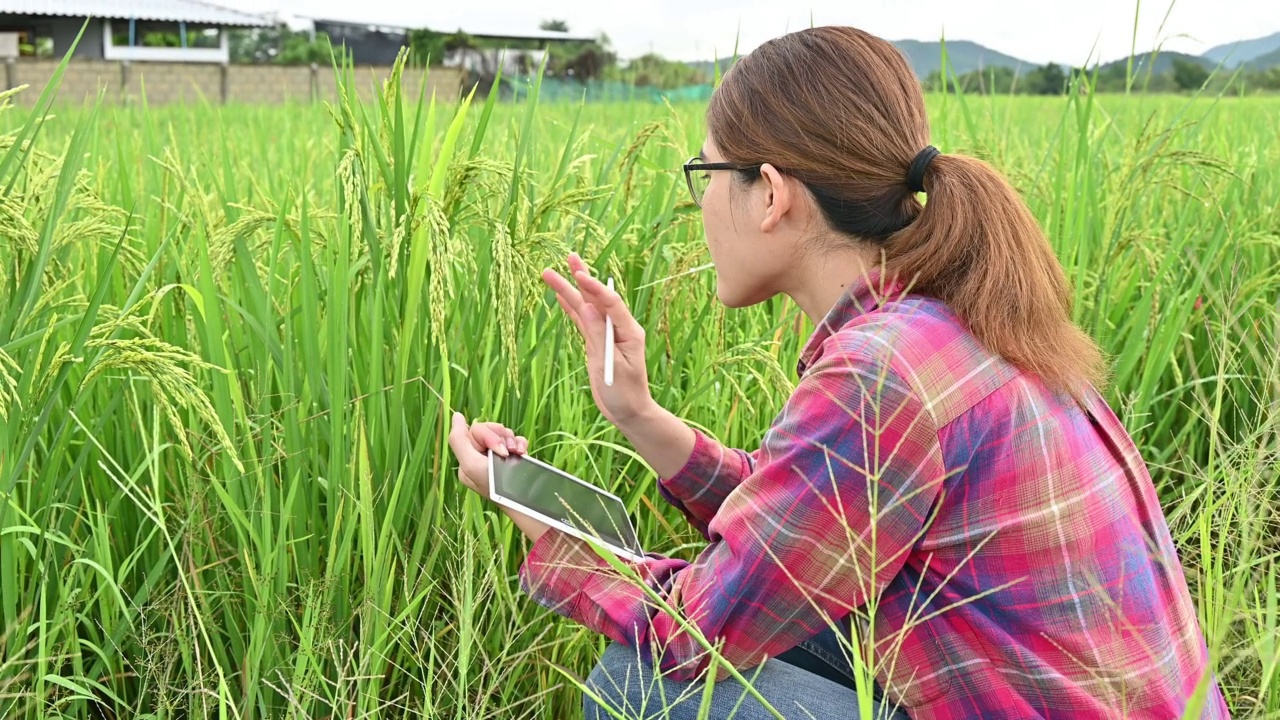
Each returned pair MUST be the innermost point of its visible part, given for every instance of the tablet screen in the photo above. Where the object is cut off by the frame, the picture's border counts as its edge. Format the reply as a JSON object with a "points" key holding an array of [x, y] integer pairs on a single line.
{"points": [[565, 499]]}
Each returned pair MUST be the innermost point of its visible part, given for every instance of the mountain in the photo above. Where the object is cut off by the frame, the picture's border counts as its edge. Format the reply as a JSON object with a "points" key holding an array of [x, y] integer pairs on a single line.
{"points": [[925, 57], [962, 56], [1265, 62], [1163, 64], [1243, 51], [965, 56]]}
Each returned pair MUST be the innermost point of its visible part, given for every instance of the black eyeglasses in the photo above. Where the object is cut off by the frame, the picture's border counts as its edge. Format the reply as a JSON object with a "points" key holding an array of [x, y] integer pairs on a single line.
{"points": [[697, 175]]}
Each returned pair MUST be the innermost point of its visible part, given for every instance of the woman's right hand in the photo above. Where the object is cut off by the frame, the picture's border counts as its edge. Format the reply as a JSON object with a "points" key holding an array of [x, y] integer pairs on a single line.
{"points": [[586, 301]]}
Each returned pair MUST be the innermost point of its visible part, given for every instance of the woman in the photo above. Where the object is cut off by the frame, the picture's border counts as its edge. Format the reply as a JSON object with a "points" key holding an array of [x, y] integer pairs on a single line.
{"points": [[945, 478]]}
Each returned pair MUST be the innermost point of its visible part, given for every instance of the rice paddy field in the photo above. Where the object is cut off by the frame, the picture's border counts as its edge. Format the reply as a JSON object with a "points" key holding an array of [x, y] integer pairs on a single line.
{"points": [[231, 339]]}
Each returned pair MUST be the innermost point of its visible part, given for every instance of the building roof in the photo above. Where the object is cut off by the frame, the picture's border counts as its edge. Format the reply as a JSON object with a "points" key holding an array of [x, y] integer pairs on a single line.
{"points": [[191, 11], [531, 35], [484, 33]]}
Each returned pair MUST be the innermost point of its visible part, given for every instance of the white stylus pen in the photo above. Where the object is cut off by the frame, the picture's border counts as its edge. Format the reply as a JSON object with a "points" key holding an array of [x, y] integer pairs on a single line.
{"points": [[608, 344]]}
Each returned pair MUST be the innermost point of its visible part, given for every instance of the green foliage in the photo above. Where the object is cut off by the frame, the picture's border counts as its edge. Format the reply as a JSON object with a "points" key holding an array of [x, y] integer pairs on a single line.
{"points": [[581, 61], [652, 70], [161, 39], [278, 44], [1189, 75], [428, 46], [1047, 80], [1268, 79], [554, 26], [1050, 79]]}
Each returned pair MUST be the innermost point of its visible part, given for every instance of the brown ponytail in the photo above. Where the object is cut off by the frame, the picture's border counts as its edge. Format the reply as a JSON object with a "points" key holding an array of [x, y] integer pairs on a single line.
{"points": [[842, 111], [976, 247]]}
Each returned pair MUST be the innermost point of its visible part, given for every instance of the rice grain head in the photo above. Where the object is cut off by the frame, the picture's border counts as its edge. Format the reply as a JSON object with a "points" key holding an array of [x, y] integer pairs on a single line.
{"points": [[9, 398], [440, 264], [168, 368], [506, 293]]}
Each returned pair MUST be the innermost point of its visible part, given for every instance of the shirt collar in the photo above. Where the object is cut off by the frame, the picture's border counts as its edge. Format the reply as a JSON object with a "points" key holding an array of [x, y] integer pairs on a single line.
{"points": [[865, 294]]}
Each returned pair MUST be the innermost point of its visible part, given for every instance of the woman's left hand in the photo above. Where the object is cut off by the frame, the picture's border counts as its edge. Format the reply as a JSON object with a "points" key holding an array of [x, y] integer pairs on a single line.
{"points": [[471, 445]]}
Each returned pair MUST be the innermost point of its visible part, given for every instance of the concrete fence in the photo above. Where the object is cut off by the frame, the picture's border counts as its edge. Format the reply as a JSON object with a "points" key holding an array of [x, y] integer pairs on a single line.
{"points": [[125, 82]]}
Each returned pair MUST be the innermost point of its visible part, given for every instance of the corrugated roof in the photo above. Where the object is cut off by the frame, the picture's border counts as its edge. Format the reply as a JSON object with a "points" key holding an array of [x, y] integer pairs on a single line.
{"points": [[488, 33], [190, 11], [530, 35]]}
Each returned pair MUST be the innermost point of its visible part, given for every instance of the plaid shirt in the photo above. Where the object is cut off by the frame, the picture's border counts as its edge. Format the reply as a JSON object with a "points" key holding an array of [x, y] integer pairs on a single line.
{"points": [[1002, 544]]}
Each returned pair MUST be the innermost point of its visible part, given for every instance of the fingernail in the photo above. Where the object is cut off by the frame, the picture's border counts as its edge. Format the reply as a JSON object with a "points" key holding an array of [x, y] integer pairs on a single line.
{"points": [[457, 416], [511, 444], [502, 450]]}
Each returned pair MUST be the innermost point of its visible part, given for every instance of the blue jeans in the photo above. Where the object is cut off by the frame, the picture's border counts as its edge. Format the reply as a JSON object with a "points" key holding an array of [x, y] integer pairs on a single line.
{"points": [[628, 686]]}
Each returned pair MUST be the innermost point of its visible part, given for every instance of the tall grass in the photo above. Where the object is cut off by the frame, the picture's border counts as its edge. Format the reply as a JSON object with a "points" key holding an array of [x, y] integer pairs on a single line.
{"points": [[231, 338]]}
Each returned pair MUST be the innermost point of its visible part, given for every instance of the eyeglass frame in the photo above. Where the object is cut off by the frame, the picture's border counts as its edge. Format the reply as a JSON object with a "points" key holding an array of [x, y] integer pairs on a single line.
{"points": [[695, 164]]}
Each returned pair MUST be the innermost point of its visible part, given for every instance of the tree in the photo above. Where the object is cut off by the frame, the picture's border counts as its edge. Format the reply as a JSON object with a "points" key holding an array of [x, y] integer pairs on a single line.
{"points": [[428, 46], [1268, 79], [581, 61], [994, 80], [300, 49], [1047, 80], [653, 70], [554, 26], [1189, 75], [277, 44], [1112, 78]]}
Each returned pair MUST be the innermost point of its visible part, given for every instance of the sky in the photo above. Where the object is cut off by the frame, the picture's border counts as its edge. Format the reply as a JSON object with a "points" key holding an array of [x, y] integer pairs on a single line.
{"points": [[1033, 30]]}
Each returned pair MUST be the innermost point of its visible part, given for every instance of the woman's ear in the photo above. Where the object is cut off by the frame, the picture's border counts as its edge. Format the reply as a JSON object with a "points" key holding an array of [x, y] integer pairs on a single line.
{"points": [[778, 197]]}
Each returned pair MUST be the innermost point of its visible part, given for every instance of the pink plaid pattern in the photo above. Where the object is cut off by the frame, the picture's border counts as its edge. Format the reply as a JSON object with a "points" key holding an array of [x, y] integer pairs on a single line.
{"points": [[1001, 544]]}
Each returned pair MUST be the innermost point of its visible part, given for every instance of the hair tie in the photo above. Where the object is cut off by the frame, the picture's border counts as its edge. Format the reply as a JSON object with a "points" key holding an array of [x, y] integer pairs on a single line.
{"points": [[915, 175]]}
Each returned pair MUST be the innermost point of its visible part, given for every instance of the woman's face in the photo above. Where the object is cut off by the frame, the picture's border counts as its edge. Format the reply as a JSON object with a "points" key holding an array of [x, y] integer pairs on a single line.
{"points": [[752, 229]]}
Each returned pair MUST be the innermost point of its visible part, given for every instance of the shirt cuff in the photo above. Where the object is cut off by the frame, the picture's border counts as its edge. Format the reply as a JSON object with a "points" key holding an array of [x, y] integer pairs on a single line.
{"points": [[555, 570], [694, 484]]}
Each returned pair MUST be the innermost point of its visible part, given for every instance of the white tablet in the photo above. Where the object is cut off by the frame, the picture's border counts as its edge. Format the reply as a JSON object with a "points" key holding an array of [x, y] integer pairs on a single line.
{"points": [[564, 502]]}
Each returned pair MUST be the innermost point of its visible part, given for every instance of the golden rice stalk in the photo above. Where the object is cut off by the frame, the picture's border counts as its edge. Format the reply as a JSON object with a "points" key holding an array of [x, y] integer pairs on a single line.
{"points": [[674, 135], [342, 113], [682, 254], [507, 296], [112, 319], [174, 387], [222, 240], [254, 226], [633, 151], [440, 285], [9, 372], [6, 97], [89, 229], [86, 218], [480, 178], [757, 359], [406, 226], [569, 203], [189, 184], [351, 182], [15, 227], [42, 178], [61, 356], [53, 292], [390, 90]]}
